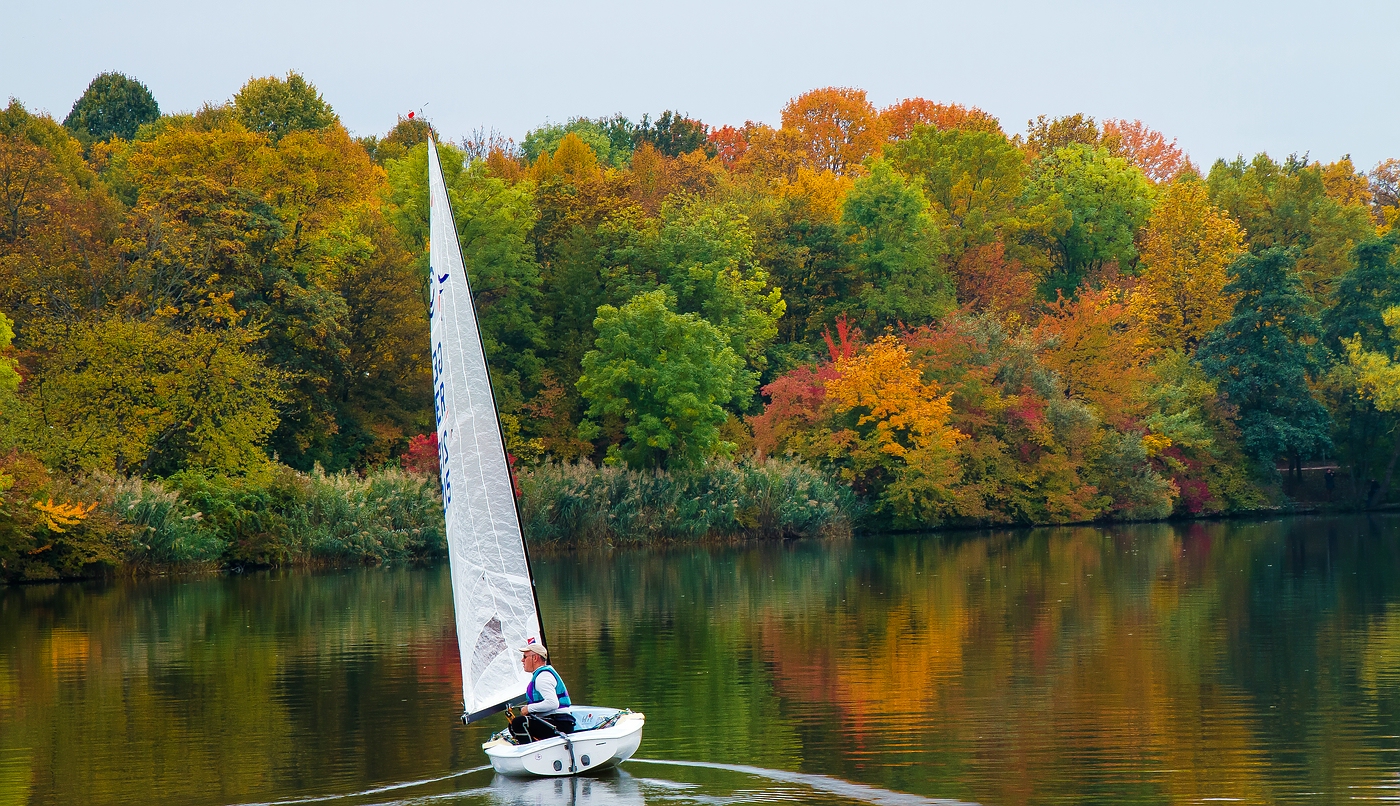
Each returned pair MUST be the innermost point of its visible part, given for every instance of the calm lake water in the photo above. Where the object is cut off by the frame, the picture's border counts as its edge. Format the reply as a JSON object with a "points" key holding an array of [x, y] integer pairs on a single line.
{"points": [[1249, 661]]}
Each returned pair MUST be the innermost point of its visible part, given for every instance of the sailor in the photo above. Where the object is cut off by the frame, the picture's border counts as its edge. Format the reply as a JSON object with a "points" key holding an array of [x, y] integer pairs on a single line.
{"points": [[540, 716]]}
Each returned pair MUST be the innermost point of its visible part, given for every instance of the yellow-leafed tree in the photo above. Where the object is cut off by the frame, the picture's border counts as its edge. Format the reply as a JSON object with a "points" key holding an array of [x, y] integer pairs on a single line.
{"points": [[1377, 379], [1186, 255]]}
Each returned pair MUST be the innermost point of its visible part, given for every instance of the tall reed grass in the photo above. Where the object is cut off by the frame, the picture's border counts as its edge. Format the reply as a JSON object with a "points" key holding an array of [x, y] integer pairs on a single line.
{"points": [[583, 505], [289, 518], [190, 521]]}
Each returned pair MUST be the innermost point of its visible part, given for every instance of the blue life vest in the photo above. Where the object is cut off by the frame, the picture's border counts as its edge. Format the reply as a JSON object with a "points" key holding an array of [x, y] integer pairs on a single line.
{"points": [[532, 696]]}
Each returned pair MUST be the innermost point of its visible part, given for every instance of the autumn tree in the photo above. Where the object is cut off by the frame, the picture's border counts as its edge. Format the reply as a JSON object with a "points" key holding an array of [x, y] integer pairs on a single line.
{"points": [[113, 105], [1288, 205], [407, 133], [1159, 160], [284, 228], [728, 144], [835, 128], [898, 443], [899, 120], [279, 106], [1089, 342], [665, 377], [1046, 135], [1376, 376], [1385, 192], [59, 257], [1187, 250]]}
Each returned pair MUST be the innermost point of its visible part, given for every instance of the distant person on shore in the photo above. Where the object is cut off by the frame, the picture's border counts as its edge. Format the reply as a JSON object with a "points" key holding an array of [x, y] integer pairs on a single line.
{"points": [[1329, 480], [544, 696]]}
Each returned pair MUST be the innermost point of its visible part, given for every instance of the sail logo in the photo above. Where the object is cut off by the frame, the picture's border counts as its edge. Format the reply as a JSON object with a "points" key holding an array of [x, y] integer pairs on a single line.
{"points": [[440, 411]]}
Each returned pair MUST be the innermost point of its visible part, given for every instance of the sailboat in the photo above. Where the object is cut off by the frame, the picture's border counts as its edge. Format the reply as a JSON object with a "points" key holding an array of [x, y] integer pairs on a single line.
{"points": [[493, 590]]}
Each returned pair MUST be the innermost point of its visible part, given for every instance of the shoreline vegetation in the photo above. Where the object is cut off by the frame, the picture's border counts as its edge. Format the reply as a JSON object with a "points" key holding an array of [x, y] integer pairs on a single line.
{"points": [[191, 524], [213, 332]]}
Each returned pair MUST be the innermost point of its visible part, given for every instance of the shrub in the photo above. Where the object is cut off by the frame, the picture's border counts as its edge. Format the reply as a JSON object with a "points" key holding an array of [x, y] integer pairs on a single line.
{"points": [[52, 528]]}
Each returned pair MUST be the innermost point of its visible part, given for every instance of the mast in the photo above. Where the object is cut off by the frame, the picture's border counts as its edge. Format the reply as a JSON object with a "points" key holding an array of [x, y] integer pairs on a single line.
{"points": [[493, 590]]}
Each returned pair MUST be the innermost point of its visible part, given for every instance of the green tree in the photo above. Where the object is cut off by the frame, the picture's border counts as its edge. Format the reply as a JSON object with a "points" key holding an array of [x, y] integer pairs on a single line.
{"points": [[672, 134], [806, 254], [1362, 293], [1262, 358], [1046, 135], [279, 106], [10, 423], [702, 252], [114, 105], [974, 178], [665, 376], [895, 246], [1108, 201], [1288, 204], [610, 138], [1366, 436], [150, 398], [9, 370]]}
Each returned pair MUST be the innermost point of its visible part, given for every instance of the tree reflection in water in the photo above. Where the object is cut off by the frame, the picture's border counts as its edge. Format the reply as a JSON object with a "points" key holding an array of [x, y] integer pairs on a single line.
{"points": [[1135, 664]]}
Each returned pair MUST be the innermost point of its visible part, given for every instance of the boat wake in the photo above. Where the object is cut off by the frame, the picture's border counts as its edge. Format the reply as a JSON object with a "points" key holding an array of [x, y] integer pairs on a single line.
{"points": [[623, 789], [369, 793], [822, 783]]}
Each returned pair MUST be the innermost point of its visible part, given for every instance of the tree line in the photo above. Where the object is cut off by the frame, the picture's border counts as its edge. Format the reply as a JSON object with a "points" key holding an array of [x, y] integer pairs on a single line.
{"points": [[961, 324]]}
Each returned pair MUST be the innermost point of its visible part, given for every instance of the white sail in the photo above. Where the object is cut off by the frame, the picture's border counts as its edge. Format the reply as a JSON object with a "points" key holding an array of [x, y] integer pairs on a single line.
{"points": [[491, 585]]}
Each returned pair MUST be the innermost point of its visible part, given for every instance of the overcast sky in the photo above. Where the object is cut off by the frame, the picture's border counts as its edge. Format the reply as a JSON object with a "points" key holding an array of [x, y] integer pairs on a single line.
{"points": [[1224, 77]]}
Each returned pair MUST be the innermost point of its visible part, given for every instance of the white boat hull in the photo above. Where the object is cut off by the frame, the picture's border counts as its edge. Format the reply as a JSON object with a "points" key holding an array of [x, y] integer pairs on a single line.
{"points": [[593, 749]]}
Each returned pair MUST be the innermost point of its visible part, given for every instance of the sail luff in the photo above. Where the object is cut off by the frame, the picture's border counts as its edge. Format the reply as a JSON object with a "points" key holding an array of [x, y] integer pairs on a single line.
{"points": [[492, 587]]}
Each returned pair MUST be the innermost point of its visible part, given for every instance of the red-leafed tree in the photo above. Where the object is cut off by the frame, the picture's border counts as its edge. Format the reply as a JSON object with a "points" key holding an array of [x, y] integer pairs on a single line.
{"points": [[1147, 149]]}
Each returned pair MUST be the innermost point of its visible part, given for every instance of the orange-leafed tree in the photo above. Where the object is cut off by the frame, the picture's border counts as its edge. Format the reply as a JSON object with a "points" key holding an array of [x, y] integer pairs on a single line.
{"points": [[1089, 342], [897, 436], [1149, 150], [898, 120], [1186, 254], [769, 153], [834, 128]]}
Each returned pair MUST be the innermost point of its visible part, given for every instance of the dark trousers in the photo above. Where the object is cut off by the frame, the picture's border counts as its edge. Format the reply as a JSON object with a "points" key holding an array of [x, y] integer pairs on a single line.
{"points": [[530, 728]]}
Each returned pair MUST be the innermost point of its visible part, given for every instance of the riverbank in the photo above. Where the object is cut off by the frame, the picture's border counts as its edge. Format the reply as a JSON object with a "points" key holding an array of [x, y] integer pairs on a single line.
{"points": [[54, 528]]}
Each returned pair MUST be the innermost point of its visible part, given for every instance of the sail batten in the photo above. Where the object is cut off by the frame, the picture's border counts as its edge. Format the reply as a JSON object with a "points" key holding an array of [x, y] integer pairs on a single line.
{"points": [[492, 589]]}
